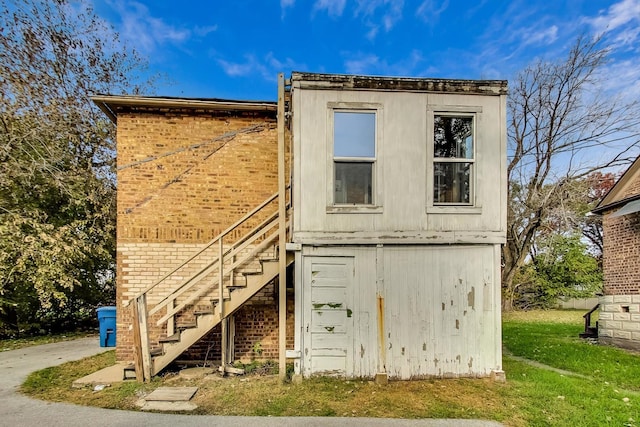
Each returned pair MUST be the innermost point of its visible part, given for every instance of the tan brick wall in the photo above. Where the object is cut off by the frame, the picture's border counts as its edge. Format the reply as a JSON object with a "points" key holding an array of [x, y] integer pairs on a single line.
{"points": [[182, 179], [194, 194], [621, 261], [619, 321]]}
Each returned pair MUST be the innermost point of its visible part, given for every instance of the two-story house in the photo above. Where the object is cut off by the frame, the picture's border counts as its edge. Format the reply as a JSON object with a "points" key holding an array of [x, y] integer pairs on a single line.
{"points": [[390, 197]]}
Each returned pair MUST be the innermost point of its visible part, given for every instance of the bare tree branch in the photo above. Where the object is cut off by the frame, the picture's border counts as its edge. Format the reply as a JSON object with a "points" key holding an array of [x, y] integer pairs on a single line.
{"points": [[562, 128]]}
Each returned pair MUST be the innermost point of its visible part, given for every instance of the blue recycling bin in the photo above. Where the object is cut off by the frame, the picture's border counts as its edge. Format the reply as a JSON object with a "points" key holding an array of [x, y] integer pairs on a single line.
{"points": [[107, 321]]}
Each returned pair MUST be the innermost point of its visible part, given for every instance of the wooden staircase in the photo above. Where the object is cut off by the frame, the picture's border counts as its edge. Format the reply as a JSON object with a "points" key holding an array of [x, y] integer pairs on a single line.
{"points": [[204, 290]]}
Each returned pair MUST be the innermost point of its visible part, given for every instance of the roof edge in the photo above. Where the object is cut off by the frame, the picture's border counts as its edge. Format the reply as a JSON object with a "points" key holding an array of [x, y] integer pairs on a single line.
{"points": [[607, 200], [110, 103], [600, 209], [417, 84]]}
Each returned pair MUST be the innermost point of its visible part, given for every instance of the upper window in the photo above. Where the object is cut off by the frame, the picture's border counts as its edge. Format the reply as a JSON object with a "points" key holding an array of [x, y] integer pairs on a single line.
{"points": [[354, 156], [453, 159]]}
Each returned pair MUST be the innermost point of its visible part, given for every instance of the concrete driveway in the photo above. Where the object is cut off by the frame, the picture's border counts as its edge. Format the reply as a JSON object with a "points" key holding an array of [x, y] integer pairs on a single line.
{"points": [[18, 410]]}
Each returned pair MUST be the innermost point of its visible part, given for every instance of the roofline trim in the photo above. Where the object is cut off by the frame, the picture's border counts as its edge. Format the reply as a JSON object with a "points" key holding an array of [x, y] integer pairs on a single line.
{"points": [[600, 209], [404, 84], [107, 104], [618, 186]]}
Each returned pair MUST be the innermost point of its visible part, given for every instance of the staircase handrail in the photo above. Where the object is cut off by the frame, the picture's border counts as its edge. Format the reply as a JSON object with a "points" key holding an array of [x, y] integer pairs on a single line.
{"points": [[231, 252], [587, 318], [171, 312], [204, 248]]}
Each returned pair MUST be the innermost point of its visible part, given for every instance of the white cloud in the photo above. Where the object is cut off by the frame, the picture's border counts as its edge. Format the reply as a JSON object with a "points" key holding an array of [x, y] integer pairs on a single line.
{"points": [[362, 63], [284, 4], [146, 32], [235, 69], [542, 36], [204, 31], [267, 67], [616, 16], [430, 10], [627, 79], [379, 14], [373, 32], [620, 23], [391, 11], [334, 8]]}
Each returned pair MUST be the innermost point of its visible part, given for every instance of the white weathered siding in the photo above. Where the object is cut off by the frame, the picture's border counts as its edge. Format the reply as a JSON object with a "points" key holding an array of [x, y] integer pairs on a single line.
{"points": [[439, 305], [404, 170], [423, 296], [440, 316]]}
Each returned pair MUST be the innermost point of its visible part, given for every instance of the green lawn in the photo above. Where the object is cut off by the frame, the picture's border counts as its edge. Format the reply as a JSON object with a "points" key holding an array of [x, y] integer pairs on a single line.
{"points": [[609, 396], [558, 345], [606, 394]]}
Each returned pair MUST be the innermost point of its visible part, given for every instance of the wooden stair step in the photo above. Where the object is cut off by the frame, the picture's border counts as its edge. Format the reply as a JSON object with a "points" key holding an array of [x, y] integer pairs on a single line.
{"points": [[251, 271], [187, 325], [173, 338], [156, 351], [129, 372]]}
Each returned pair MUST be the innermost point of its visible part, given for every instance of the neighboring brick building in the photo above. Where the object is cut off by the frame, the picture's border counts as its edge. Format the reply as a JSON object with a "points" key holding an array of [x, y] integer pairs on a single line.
{"points": [[619, 322], [187, 170]]}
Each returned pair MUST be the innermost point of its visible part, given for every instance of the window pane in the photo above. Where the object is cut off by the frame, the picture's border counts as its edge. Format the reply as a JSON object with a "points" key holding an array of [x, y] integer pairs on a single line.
{"points": [[353, 183], [453, 137], [452, 183], [354, 134]]}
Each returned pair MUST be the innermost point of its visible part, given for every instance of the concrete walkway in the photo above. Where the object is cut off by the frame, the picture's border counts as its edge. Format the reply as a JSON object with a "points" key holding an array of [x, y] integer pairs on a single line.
{"points": [[18, 410]]}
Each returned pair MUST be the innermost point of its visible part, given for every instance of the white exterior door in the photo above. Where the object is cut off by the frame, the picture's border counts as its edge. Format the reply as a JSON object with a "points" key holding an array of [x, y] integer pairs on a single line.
{"points": [[329, 323]]}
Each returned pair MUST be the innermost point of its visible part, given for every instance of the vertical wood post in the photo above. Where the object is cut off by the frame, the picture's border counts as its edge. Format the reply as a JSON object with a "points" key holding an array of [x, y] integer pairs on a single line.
{"points": [[282, 232], [381, 341], [223, 323], [137, 344], [171, 322], [145, 352]]}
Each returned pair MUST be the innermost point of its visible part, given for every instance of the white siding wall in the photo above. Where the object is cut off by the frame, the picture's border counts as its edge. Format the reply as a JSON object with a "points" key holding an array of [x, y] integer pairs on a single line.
{"points": [[404, 169], [441, 315], [440, 305], [424, 296]]}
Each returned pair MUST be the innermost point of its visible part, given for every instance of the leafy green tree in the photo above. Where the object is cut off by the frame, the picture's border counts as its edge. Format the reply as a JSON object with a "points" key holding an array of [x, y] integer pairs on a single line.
{"points": [[57, 186], [562, 268]]}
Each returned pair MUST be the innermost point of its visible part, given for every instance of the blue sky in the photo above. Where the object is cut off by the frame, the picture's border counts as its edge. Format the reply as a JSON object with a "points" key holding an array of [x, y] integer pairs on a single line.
{"points": [[234, 49]]}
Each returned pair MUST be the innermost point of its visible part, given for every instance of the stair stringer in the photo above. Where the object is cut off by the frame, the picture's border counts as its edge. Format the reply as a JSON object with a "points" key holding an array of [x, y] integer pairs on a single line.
{"points": [[206, 322]]}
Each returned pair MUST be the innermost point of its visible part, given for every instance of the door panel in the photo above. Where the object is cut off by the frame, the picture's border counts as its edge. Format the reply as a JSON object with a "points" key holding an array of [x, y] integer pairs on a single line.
{"points": [[330, 328]]}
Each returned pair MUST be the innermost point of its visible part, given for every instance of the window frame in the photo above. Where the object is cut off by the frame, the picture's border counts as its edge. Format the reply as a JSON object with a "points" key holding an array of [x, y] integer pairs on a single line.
{"points": [[472, 207], [376, 169]]}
